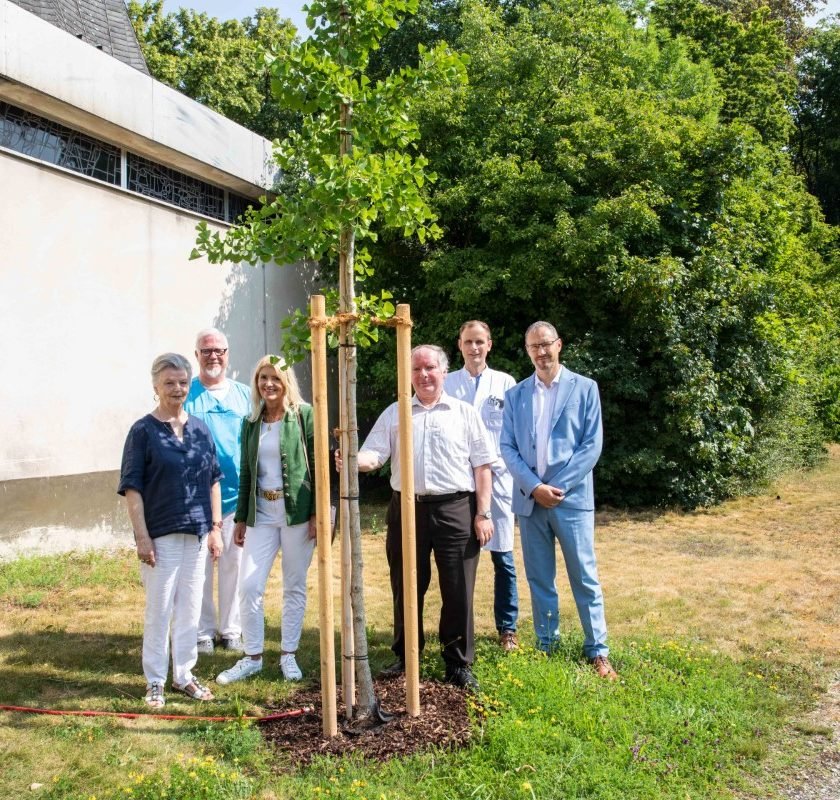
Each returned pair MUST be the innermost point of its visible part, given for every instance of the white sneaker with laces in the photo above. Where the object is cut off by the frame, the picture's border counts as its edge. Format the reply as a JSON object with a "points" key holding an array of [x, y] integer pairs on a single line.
{"points": [[244, 668], [289, 667]]}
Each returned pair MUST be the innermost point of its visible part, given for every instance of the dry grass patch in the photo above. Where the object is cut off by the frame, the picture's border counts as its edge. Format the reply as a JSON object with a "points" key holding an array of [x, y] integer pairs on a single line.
{"points": [[755, 575]]}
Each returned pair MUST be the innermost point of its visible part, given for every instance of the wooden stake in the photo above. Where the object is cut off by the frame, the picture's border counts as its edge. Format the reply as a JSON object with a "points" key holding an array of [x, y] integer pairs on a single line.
{"points": [[409, 546], [322, 510]]}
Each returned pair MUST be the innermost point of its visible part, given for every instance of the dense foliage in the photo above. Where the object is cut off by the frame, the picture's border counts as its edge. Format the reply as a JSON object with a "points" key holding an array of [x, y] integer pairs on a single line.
{"points": [[818, 118], [791, 14], [219, 63], [627, 178]]}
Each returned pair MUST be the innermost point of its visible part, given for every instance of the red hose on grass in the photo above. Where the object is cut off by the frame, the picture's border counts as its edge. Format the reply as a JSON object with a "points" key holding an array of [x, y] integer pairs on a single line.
{"points": [[296, 712]]}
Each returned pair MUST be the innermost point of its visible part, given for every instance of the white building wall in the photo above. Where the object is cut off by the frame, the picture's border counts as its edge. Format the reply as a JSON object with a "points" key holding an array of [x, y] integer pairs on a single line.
{"points": [[94, 283]]}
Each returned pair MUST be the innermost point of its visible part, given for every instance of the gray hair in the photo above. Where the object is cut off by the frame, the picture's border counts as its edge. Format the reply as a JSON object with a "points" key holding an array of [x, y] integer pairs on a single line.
{"points": [[209, 332], [541, 324], [443, 359], [170, 361]]}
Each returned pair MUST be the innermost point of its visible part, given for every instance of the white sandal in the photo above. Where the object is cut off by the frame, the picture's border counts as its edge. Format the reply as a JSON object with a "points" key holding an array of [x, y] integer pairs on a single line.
{"points": [[195, 690], [154, 695]]}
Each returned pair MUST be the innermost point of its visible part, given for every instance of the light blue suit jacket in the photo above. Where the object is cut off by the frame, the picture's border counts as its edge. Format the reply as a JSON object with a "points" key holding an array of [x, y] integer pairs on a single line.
{"points": [[573, 448]]}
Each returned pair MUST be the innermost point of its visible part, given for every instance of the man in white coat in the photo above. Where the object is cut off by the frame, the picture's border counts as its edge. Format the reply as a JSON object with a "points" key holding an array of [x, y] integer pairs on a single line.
{"points": [[484, 389]]}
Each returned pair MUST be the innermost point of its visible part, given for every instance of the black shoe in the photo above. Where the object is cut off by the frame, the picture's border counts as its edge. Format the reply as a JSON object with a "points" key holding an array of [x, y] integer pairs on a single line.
{"points": [[392, 670], [462, 677]]}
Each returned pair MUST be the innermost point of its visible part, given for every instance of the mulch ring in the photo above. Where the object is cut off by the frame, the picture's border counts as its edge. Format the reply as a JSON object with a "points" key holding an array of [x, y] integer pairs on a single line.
{"points": [[443, 723]]}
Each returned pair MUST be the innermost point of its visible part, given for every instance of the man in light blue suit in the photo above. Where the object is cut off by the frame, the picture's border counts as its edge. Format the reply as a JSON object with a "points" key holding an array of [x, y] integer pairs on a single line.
{"points": [[551, 441]]}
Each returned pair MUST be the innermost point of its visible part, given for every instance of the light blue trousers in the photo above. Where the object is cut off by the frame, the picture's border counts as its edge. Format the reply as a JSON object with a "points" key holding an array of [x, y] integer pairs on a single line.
{"points": [[575, 530]]}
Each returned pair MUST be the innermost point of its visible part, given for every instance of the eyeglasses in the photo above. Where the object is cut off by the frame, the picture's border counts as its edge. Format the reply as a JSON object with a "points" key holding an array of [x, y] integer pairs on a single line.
{"points": [[535, 348], [213, 351]]}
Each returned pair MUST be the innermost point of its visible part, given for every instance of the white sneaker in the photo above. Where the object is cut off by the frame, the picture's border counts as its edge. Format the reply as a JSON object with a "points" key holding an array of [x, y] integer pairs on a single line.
{"points": [[244, 668], [289, 667], [205, 645]]}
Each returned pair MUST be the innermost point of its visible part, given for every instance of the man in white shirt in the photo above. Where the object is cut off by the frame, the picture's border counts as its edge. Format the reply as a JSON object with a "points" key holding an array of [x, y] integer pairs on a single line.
{"points": [[221, 404], [484, 389], [551, 441], [452, 485]]}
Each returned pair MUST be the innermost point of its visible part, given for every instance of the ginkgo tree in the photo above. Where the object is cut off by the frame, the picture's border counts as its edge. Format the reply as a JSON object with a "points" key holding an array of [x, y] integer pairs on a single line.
{"points": [[352, 170]]}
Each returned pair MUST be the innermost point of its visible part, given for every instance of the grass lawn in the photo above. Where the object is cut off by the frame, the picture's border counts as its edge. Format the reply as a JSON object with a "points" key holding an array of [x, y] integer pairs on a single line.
{"points": [[723, 626]]}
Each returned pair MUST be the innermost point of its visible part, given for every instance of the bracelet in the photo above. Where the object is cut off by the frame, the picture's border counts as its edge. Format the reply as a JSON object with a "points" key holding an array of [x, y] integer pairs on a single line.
{"points": [[218, 524]]}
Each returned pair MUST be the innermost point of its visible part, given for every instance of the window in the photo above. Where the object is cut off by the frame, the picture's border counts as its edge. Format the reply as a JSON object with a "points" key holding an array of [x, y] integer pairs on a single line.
{"points": [[154, 180], [48, 141], [53, 143], [237, 204]]}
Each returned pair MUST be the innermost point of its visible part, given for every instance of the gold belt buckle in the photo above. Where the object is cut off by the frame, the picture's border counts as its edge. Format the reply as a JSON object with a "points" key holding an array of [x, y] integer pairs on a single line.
{"points": [[272, 494]]}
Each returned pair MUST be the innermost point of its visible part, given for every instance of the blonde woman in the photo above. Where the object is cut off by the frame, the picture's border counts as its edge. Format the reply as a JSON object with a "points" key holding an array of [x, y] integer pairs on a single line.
{"points": [[275, 511]]}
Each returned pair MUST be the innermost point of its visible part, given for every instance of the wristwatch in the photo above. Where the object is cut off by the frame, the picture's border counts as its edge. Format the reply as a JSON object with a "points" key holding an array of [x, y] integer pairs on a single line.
{"points": [[485, 514]]}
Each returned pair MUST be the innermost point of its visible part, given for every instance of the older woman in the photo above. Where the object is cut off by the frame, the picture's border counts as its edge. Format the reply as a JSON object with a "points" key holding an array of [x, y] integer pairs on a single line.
{"points": [[170, 480], [275, 512]]}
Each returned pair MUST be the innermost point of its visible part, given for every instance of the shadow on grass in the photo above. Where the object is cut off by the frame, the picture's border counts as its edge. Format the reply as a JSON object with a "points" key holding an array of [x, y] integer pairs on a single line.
{"points": [[57, 669]]}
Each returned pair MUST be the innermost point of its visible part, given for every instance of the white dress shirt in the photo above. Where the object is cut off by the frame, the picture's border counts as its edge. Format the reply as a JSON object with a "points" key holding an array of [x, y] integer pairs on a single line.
{"points": [[449, 442], [543, 407]]}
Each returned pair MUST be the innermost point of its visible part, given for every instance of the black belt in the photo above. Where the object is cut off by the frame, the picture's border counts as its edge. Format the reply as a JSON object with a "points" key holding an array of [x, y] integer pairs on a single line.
{"points": [[438, 498]]}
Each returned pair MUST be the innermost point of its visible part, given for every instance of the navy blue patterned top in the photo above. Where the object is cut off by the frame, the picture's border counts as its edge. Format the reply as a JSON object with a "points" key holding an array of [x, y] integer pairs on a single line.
{"points": [[174, 477]]}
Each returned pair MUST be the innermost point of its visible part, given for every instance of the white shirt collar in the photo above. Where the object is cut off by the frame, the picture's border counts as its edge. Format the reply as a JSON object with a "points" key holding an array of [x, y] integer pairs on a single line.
{"points": [[444, 400], [540, 385]]}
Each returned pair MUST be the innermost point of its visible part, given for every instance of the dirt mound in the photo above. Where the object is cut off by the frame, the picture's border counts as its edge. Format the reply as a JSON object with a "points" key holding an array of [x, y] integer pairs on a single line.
{"points": [[443, 723]]}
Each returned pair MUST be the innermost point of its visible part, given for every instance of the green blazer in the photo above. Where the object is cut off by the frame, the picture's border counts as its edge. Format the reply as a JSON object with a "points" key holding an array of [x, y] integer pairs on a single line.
{"points": [[298, 486]]}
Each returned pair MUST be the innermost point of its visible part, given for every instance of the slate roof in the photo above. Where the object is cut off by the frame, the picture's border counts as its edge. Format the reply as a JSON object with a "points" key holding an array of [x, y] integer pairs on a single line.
{"points": [[102, 23]]}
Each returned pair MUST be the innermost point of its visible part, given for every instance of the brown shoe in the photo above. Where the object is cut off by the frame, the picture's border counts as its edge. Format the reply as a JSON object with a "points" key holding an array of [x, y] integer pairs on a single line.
{"points": [[508, 641], [604, 668]]}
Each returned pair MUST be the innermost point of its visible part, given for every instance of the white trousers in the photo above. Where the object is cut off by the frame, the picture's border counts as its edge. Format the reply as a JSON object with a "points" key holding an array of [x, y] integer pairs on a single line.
{"points": [[227, 624], [173, 604], [262, 543]]}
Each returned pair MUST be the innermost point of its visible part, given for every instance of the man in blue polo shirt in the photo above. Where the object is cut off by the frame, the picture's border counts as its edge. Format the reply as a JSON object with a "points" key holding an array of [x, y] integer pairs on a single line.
{"points": [[221, 404]]}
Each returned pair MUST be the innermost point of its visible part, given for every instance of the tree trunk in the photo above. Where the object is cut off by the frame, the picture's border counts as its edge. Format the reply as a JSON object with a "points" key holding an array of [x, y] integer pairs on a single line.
{"points": [[350, 447]]}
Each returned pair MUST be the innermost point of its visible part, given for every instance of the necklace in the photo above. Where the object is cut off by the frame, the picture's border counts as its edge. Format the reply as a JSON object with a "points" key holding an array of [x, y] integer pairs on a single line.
{"points": [[269, 422]]}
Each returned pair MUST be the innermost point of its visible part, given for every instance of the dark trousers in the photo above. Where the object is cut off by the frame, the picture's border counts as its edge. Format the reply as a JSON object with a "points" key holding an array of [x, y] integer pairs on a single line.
{"points": [[445, 529]]}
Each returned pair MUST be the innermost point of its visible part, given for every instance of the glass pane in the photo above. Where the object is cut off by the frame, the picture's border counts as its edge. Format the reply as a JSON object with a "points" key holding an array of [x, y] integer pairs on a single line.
{"points": [[48, 141], [163, 183]]}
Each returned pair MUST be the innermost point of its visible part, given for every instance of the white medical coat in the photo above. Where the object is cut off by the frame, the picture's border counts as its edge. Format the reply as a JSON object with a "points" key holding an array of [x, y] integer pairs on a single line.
{"points": [[489, 401]]}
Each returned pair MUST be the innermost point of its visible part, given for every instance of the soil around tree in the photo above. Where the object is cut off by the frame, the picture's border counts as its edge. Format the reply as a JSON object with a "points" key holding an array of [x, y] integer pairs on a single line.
{"points": [[443, 723]]}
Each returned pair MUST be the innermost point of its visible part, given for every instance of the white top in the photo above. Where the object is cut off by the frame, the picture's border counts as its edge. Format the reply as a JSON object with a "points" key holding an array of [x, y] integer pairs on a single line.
{"points": [[543, 407], [449, 442], [269, 464], [487, 397], [270, 475]]}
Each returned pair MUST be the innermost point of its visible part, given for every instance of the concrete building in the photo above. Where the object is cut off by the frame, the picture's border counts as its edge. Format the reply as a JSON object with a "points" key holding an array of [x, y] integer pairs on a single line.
{"points": [[104, 174]]}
